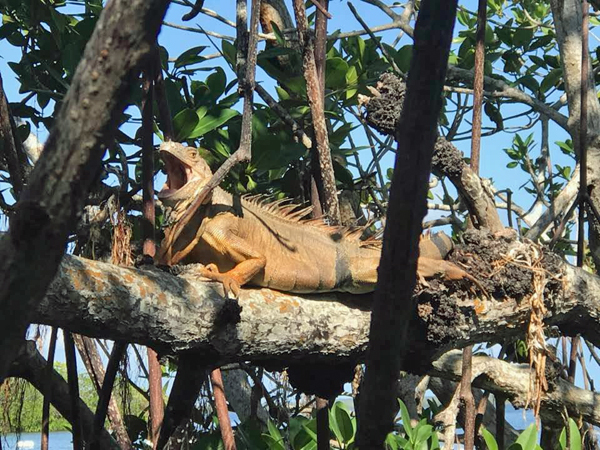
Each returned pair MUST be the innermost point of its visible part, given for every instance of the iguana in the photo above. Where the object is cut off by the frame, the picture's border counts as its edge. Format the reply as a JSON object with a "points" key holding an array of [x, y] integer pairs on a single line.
{"points": [[252, 240]]}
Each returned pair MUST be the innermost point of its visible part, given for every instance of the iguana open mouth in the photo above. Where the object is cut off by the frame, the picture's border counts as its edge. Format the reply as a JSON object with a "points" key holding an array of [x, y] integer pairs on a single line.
{"points": [[178, 174]]}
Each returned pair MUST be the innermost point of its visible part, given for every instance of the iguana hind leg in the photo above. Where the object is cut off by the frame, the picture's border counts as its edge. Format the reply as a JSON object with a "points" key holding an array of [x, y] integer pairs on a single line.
{"points": [[225, 242]]}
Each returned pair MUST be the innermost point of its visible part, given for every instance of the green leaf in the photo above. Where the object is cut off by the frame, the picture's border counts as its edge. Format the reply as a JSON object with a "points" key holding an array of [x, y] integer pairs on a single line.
{"points": [[403, 57], [528, 438], [214, 119], [310, 431], [490, 440], [229, 52], [217, 81], [351, 82], [552, 79], [335, 73], [190, 56], [343, 422], [406, 420], [273, 443], [522, 37], [529, 82], [539, 61], [391, 442], [184, 122], [423, 433], [59, 20], [574, 438]]}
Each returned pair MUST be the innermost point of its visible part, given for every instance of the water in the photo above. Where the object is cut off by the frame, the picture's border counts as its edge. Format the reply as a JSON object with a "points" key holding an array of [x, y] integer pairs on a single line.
{"points": [[59, 440]]}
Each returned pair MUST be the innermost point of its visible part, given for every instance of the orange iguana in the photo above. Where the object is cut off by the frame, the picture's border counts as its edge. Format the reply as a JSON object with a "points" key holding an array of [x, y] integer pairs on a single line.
{"points": [[250, 240]]}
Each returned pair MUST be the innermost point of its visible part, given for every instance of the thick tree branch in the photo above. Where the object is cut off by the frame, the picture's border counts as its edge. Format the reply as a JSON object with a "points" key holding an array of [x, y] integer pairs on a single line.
{"points": [[59, 184], [394, 304], [513, 380], [174, 314]]}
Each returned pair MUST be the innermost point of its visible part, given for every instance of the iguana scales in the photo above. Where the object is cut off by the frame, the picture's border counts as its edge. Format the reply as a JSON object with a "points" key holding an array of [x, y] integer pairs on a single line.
{"points": [[251, 240]]}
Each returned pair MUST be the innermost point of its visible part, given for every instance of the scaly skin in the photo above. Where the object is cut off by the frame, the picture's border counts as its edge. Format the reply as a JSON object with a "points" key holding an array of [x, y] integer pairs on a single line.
{"points": [[247, 240]]}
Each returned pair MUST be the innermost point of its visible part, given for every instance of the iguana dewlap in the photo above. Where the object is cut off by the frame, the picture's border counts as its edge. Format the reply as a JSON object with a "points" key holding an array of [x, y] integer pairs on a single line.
{"points": [[249, 240]]}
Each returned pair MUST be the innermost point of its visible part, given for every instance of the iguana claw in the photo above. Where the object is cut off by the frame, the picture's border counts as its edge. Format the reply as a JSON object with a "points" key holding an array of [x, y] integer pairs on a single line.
{"points": [[230, 284]]}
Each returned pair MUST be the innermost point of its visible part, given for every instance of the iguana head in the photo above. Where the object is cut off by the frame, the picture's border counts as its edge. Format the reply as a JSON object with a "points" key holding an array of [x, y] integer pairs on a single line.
{"points": [[187, 173]]}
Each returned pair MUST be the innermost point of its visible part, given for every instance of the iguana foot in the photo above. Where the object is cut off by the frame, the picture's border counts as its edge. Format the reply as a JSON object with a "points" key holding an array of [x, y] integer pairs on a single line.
{"points": [[230, 284]]}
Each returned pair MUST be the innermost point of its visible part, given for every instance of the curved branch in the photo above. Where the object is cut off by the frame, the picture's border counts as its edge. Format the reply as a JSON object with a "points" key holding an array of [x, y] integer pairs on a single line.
{"points": [[513, 380]]}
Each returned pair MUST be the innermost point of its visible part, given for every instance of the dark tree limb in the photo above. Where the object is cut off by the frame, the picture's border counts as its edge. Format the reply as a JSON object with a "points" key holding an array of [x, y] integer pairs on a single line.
{"points": [[394, 306], [185, 390], [93, 364], [466, 393], [117, 354], [59, 184]]}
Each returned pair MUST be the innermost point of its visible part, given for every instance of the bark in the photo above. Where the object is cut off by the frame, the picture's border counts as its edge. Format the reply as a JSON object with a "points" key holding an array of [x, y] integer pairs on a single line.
{"points": [[32, 366], [187, 384], [394, 305], [328, 189], [568, 24], [59, 184], [239, 395], [10, 145], [174, 314]]}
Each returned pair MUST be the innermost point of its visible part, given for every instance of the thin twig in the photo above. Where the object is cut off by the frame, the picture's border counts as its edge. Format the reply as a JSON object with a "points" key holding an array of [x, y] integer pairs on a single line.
{"points": [[73, 389], [118, 351], [222, 411], [315, 100], [46, 404], [284, 115]]}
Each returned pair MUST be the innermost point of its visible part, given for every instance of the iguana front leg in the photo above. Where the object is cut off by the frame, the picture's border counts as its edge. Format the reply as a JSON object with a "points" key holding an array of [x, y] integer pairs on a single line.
{"points": [[234, 278], [225, 243]]}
